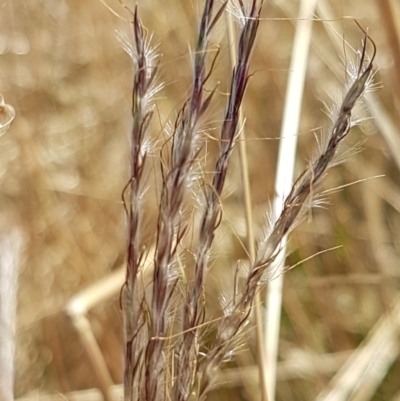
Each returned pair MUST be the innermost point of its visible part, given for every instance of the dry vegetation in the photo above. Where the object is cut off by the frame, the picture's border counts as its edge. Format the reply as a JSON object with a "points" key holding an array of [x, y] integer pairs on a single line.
{"points": [[65, 161]]}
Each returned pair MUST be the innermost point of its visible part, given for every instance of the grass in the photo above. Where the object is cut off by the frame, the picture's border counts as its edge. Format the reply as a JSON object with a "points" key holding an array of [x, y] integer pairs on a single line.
{"points": [[62, 188]]}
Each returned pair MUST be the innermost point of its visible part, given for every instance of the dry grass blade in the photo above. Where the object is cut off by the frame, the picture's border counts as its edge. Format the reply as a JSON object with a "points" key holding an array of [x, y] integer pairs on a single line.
{"points": [[77, 308], [284, 177]]}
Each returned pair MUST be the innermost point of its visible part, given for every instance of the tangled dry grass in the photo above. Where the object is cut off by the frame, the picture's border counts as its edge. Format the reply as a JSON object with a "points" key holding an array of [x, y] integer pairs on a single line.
{"points": [[65, 163]]}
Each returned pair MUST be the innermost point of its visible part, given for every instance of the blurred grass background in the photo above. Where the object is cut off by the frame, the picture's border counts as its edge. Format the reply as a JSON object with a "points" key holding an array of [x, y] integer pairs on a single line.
{"points": [[64, 163]]}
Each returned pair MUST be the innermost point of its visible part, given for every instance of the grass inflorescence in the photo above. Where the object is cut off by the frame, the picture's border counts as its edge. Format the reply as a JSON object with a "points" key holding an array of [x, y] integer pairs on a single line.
{"points": [[165, 353]]}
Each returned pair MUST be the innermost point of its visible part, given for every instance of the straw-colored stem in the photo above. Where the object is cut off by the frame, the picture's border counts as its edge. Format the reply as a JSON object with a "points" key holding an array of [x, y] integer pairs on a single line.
{"points": [[100, 369], [284, 177]]}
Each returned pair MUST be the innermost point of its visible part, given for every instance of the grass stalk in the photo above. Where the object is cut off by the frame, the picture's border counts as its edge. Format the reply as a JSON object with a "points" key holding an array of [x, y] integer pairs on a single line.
{"points": [[136, 334], [248, 208], [284, 176]]}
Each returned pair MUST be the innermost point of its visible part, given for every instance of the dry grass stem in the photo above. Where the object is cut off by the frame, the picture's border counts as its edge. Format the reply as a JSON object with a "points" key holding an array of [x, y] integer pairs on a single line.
{"points": [[248, 208], [284, 177]]}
